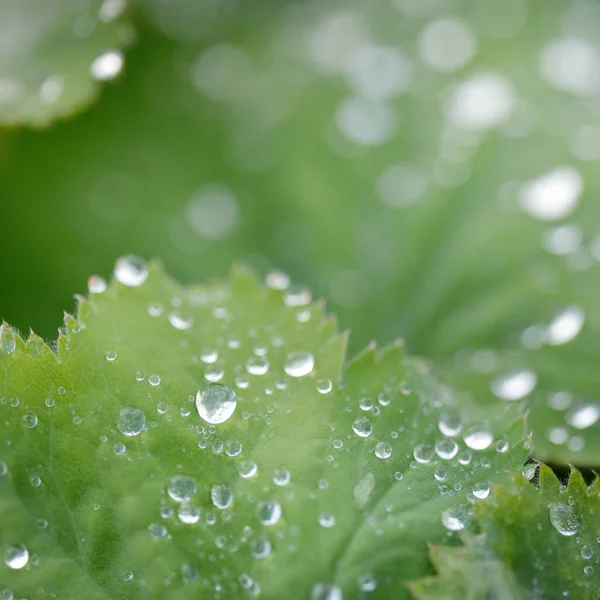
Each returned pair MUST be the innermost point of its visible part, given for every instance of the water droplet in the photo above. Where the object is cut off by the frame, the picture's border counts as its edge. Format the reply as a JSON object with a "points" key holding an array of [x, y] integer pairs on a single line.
{"points": [[565, 326], [362, 427], [261, 548], [214, 373], [162, 408], [281, 477], [216, 404], [446, 448], [449, 423], [127, 575], [30, 420], [155, 309], [110, 355], [233, 448], [481, 490], [188, 513], [179, 321], [35, 481], [583, 415], [447, 44], [96, 284], [324, 386], [119, 449], [158, 531], [478, 437], [247, 469], [464, 457], [131, 421], [16, 557], [181, 488], [423, 453], [588, 570], [8, 342], [553, 195], [277, 280], [587, 552], [383, 450], [326, 591], [257, 365], [514, 386], [502, 446], [106, 67], [209, 357], [454, 518], [131, 270], [299, 364], [269, 513], [326, 520], [363, 489], [367, 583], [529, 470], [564, 518]]}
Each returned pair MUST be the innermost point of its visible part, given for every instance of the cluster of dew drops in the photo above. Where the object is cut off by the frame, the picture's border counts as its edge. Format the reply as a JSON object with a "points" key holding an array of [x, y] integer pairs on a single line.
{"points": [[216, 403]]}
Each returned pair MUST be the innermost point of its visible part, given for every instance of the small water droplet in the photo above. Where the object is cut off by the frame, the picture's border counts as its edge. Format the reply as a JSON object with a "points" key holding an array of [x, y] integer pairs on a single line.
{"points": [[383, 450], [96, 284], [110, 355], [127, 575], [281, 477], [257, 365], [564, 518], [16, 557], [587, 552], [454, 518], [247, 469], [8, 342], [261, 548], [154, 380], [481, 490], [180, 321], [269, 513], [158, 531], [299, 364], [423, 453], [449, 423], [515, 385], [221, 496], [106, 67], [233, 448], [216, 404], [131, 270], [277, 280], [181, 488], [529, 470], [326, 520], [362, 427], [324, 386], [188, 513], [326, 591], [131, 421]]}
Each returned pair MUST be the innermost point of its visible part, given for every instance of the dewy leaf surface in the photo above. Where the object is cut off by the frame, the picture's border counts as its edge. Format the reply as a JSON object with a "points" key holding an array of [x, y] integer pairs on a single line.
{"points": [[533, 544], [53, 55], [320, 477]]}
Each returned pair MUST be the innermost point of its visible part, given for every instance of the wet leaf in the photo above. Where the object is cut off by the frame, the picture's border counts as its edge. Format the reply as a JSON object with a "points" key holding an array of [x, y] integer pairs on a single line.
{"points": [[209, 441], [533, 543], [55, 53]]}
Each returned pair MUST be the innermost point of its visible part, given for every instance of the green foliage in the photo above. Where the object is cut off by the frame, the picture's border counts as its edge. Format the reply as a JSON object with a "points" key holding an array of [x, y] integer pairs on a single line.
{"points": [[533, 544], [54, 53], [85, 473]]}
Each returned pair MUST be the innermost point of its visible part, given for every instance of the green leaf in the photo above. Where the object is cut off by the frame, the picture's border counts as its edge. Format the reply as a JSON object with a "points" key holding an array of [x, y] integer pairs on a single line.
{"points": [[54, 54], [534, 543], [285, 497]]}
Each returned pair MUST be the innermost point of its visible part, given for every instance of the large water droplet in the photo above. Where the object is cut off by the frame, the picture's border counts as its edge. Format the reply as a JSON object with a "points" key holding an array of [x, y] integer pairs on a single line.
{"points": [[96, 284], [216, 404], [269, 513], [299, 364], [16, 557], [131, 421], [362, 427], [131, 270], [564, 518], [221, 496], [8, 342], [181, 488]]}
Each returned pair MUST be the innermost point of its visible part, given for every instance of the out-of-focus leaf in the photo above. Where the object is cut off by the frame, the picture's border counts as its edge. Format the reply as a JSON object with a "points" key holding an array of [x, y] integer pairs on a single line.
{"points": [[206, 441], [55, 53]]}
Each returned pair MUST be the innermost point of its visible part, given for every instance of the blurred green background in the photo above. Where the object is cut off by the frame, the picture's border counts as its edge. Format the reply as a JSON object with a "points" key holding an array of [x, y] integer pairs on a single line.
{"points": [[430, 167]]}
